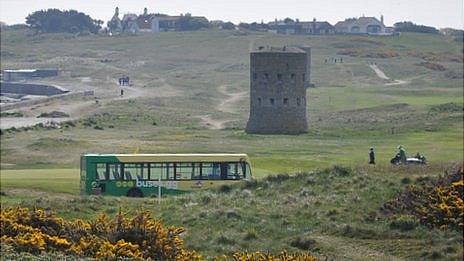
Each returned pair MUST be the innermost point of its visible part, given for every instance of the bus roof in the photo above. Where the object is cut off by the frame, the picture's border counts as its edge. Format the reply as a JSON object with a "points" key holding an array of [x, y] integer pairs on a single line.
{"points": [[195, 157]]}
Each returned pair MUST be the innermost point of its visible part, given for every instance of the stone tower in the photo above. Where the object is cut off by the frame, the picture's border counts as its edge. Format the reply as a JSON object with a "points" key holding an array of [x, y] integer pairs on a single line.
{"points": [[277, 90]]}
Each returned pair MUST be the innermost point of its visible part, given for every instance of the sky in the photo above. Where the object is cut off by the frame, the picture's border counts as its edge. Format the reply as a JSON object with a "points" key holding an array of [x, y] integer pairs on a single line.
{"points": [[437, 13]]}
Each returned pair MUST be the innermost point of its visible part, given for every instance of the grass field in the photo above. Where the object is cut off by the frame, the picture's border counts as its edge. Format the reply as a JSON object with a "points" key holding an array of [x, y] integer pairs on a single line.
{"points": [[179, 78]]}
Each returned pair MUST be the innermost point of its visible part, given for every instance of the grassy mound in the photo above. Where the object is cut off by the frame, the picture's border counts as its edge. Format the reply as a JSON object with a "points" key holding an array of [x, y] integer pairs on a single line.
{"points": [[433, 202]]}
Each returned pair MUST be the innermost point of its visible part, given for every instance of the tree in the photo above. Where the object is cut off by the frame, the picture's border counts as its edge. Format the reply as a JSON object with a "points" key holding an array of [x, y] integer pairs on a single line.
{"points": [[408, 26], [57, 21], [188, 22], [288, 20], [244, 25], [228, 26]]}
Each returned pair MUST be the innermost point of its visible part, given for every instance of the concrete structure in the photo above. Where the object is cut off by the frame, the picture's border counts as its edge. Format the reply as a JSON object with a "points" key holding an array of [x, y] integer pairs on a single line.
{"points": [[362, 25], [10, 75], [30, 89], [277, 90]]}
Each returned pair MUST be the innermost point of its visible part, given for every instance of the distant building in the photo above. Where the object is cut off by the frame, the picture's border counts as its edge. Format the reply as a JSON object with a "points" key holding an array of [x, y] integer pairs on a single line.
{"points": [[316, 27], [144, 21], [165, 23], [129, 23], [362, 25], [132, 23], [115, 24], [281, 27], [297, 27]]}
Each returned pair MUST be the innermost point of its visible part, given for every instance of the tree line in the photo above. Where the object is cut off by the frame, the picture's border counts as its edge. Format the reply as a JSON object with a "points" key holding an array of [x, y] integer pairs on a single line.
{"points": [[412, 27], [67, 21], [72, 21]]}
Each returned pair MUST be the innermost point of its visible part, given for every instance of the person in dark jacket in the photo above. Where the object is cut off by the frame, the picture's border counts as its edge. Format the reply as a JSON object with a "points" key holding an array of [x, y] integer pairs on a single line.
{"points": [[372, 156], [402, 153]]}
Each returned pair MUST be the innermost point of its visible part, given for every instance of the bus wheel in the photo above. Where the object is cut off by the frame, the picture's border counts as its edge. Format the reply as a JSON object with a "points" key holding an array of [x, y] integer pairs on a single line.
{"points": [[135, 193]]}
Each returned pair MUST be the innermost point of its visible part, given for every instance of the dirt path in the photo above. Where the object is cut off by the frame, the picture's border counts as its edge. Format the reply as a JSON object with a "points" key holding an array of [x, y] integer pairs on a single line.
{"points": [[383, 76], [228, 105]]}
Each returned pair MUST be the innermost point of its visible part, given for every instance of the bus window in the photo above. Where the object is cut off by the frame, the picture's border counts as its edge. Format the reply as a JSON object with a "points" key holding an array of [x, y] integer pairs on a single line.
{"points": [[184, 171], [234, 171], [211, 171], [246, 170], [157, 170], [145, 171], [133, 171], [196, 170], [170, 168], [114, 171], [101, 171]]}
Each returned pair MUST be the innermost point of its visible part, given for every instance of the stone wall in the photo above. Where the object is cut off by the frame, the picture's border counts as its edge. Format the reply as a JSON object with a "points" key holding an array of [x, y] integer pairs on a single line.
{"points": [[277, 91]]}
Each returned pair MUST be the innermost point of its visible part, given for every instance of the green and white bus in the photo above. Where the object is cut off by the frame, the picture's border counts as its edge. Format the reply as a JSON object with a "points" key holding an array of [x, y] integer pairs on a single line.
{"points": [[140, 175]]}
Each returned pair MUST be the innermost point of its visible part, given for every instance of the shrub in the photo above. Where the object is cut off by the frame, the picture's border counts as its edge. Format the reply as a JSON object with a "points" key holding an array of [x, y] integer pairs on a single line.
{"points": [[140, 237], [340, 171], [224, 240], [435, 203], [303, 243], [225, 188], [361, 233], [12, 114], [251, 234], [282, 256], [432, 66], [277, 178], [404, 222], [447, 107], [405, 180], [250, 184], [53, 114]]}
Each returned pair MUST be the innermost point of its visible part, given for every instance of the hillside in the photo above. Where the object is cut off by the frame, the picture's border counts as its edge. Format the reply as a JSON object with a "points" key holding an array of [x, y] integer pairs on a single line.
{"points": [[190, 93], [186, 85]]}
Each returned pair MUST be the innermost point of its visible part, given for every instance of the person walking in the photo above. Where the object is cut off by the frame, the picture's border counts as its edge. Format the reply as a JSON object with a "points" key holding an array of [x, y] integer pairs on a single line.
{"points": [[371, 156], [122, 92]]}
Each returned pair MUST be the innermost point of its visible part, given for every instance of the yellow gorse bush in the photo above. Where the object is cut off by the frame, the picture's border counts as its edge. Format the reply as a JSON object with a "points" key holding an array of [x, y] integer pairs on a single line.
{"points": [[445, 206], [138, 238], [439, 204]]}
